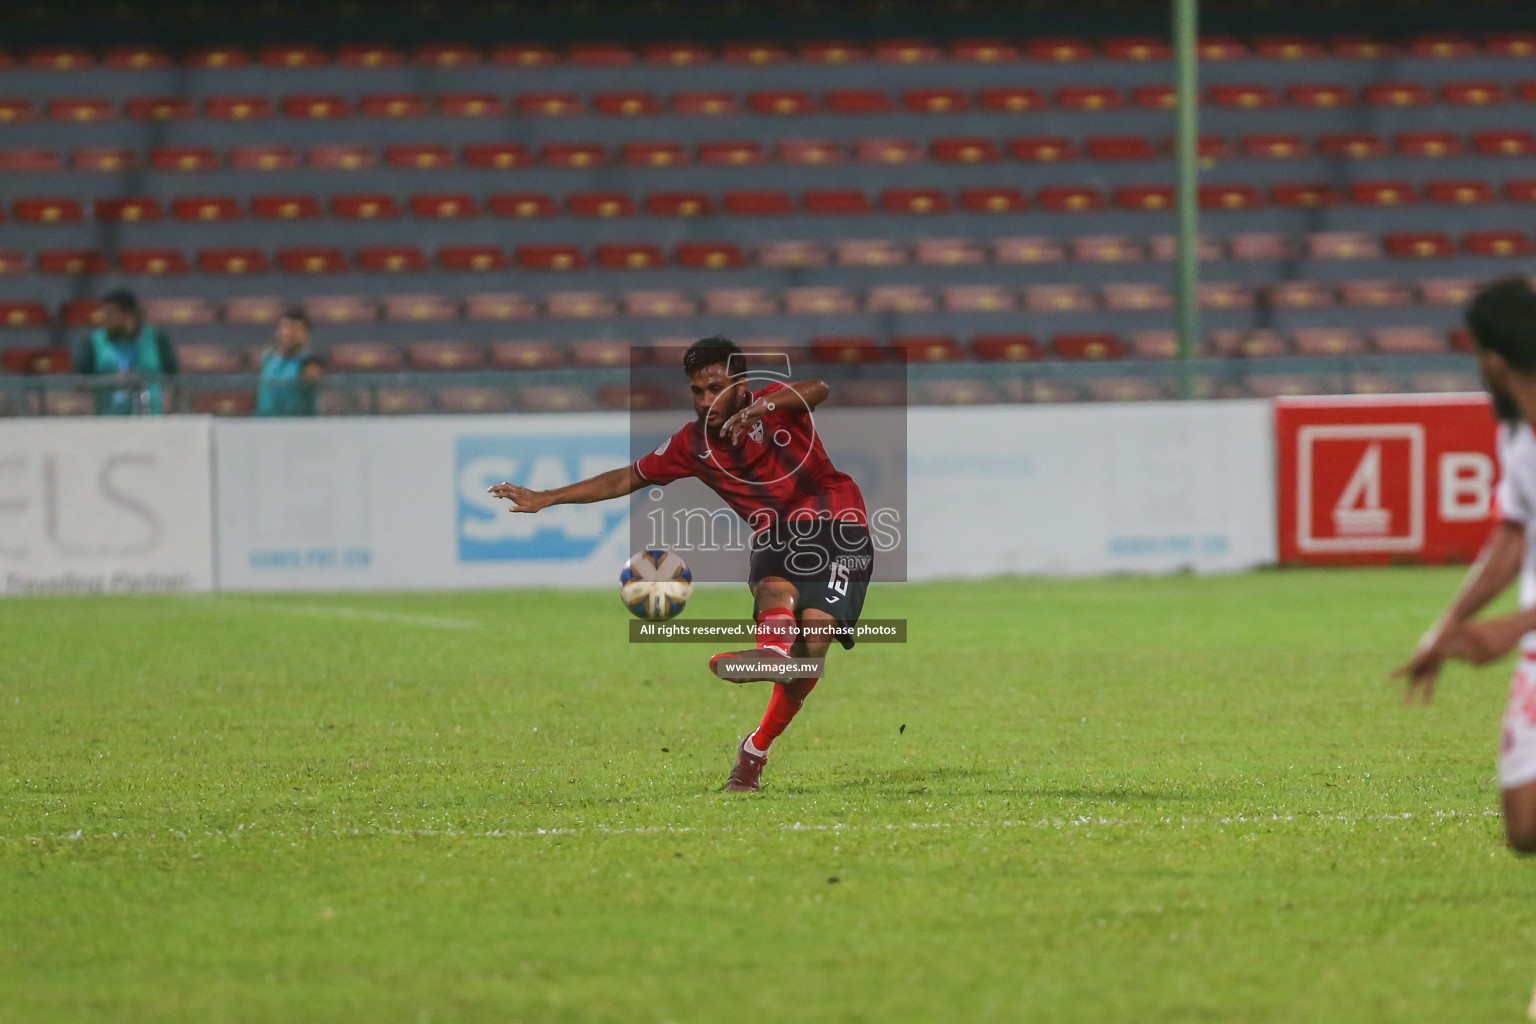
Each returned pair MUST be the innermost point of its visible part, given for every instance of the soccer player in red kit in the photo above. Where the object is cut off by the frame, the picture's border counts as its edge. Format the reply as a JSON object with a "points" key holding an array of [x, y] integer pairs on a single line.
{"points": [[811, 557]]}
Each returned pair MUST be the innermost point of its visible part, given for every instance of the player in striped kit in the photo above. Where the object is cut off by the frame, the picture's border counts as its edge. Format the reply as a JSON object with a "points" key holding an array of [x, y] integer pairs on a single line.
{"points": [[812, 557]]}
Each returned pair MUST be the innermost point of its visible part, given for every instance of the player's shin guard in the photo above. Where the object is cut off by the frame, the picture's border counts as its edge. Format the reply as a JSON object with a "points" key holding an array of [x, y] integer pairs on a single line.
{"points": [[777, 630], [787, 700]]}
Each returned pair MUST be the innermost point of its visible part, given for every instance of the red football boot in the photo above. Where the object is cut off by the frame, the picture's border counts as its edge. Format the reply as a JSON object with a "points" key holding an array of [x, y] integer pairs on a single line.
{"points": [[748, 773]]}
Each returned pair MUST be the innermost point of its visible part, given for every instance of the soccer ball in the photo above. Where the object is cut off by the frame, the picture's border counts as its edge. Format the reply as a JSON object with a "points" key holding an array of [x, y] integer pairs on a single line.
{"points": [[655, 584]]}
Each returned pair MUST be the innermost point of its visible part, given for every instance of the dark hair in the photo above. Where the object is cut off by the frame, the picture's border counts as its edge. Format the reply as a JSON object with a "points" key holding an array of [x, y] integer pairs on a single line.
{"points": [[709, 352], [1502, 317], [123, 299], [295, 313]]}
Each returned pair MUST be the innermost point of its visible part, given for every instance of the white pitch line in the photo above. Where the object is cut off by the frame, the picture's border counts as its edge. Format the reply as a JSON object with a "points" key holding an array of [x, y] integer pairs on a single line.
{"points": [[1041, 825], [345, 612]]}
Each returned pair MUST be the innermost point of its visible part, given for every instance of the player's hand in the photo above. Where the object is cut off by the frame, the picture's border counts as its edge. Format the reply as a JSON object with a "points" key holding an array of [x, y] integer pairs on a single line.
{"points": [[742, 422], [522, 499], [1486, 641], [1422, 671]]}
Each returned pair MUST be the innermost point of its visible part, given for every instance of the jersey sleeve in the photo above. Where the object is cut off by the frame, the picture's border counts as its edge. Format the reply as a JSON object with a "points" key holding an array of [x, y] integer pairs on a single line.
{"points": [[668, 462], [1509, 503]]}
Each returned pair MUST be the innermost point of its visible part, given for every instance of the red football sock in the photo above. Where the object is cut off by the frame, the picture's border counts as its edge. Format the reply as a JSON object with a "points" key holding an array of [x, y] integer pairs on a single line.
{"points": [[776, 629], [787, 700]]}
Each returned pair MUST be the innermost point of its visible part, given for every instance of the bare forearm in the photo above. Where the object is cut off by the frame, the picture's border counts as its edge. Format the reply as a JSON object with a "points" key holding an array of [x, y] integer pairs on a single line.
{"points": [[613, 484], [1496, 567]]}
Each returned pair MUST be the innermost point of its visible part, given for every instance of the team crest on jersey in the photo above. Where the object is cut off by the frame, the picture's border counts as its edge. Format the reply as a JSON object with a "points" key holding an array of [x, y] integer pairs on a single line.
{"points": [[756, 433], [663, 449]]}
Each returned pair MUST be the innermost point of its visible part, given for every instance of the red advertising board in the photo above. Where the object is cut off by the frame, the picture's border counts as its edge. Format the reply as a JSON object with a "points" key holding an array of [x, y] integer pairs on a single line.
{"points": [[1393, 478]]}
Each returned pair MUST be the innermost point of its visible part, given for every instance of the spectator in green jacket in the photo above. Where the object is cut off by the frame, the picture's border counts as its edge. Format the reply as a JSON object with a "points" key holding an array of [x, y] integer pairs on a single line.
{"points": [[125, 346], [290, 372]]}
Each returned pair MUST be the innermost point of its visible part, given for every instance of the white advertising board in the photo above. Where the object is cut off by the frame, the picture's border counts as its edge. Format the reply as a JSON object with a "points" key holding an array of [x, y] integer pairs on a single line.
{"points": [[111, 505], [1143, 487], [400, 503]]}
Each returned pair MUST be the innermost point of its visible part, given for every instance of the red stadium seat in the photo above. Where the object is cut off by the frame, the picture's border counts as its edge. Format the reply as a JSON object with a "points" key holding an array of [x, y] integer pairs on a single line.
{"points": [[152, 261], [550, 257], [1442, 46], [231, 261], [1293, 194], [81, 111], [106, 159], [420, 308], [780, 102], [1006, 347], [678, 204], [238, 108], [907, 51], [1128, 389], [1428, 144], [960, 391], [223, 403], [1288, 48], [935, 101], [312, 260], [1375, 293], [562, 154], [160, 108], [135, 58], [294, 57], [626, 104], [1158, 344], [12, 262], [578, 305], [1087, 346], [1058, 298], [653, 154], [217, 58], [1137, 48], [444, 355], [633, 396], [978, 298], [887, 151], [1071, 198], [809, 151], [444, 205], [757, 203], [393, 105], [1356, 145], [1217, 48], [1224, 295], [630, 256], [342, 157], [601, 55], [753, 53], [497, 155], [548, 104], [899, 298], [706, 104], [285, 207], [1512, 44], [1156, 97], [31, 159], [1248, 344], [524, 55], [315, 107], [710, 255], [663, 302], [600, 204], [208, 358], [1407, 340], [1119, 148], [353, 55], [868, 253], [1460, 192], [254, 310], [1166, 248], [13, 111], [183, 158], [846, 350], [363, 357], [1092, 97], [1473, 94], [1323, 96], [263, 158], [677, 55], [522, 204], [1230, 197], [555, 398], [1342, 245], [178, 311], [1122, 297], [1498, 243], [391, 259], [733, 153], [23, 314], [1382, 193], [472, 104], [525, 355], [1027, 249], [1146, 197], [206, 208], [1444, 291], [601, 352], [1300, 295], [447, 55], [364, 207], [913, 200], [1328, 341], [858, 101], [340, 309], [1105, 249], [831, 52], [993, 200], [949, 252], [818, 300], [792, 254], [47, 211], [1012, 100], [473, 400], [1518, 143], [499, 306], [1245, 97], [738, 302], [1521, 190], [419, 156], [475, 258], [1397, 94]]}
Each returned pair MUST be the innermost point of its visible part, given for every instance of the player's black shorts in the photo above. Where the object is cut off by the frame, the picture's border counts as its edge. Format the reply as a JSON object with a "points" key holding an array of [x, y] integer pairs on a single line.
{"points": [[829, 561]]}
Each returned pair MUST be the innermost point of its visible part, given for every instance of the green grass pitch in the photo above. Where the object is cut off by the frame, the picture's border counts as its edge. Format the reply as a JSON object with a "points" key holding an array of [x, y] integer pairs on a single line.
{"points": [[1180, 799]]}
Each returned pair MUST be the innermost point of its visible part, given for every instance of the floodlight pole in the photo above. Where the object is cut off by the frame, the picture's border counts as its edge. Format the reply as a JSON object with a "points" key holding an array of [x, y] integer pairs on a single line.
{"points": [[1187, 58]]}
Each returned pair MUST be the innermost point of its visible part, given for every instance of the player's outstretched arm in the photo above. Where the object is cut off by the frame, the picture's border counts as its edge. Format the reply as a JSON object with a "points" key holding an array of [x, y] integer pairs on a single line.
{"points": [[1496, 567], [613, 484], [797, 396]]}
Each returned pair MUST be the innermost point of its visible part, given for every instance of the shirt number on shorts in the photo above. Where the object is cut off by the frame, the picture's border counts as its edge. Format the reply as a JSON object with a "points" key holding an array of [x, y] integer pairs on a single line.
{"points": [[837, 579]]}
